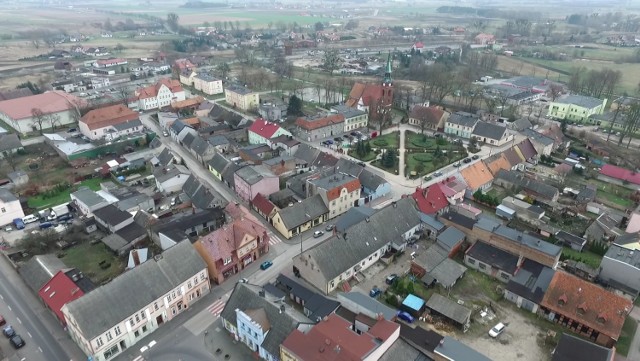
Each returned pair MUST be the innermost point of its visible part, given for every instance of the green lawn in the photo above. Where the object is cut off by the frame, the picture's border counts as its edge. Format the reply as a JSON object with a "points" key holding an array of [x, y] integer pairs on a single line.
{"points": [[39, 202], [424, 148], [86, 257], [586, 257], [366, 158], [626, 337], [389, 140], [476, 286]]}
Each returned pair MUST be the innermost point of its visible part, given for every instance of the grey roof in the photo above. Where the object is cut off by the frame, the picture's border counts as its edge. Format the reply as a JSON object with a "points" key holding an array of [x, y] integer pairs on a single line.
{"points": [[449, 308], [581, 101], [453, 349], [353, 216], [332, 181], [531, 281], [177, 126], [6, 196], [572, 348], [532, 185], [347, 111], [431, 221], [132, 200], [325, 160], [201, 196], [185, 222], [217, 140], [199, 145], [229, 172], [489, 130], [624, 255], [586, 194], [9, 141], [423, 339], [306, 153], [276, 160], [459, 219], [521, 124], [296, 214], [430, 258], [537, 137], [128, 125], [464, 119], [522, 95], [402, 350], [164, 174], [494, 257], [38, 270], [349, 167], [527, 81], [367, 303], [246, 297], [318, 305], [337, 254], [207, 77], [370, 180], [253, 174], [188, 139], [219, 162], [450, 238], [570, 239], [88, 197], [239, 89], [448, 272], [95, 313], [111, 215], [165, 157], [528, 241]]}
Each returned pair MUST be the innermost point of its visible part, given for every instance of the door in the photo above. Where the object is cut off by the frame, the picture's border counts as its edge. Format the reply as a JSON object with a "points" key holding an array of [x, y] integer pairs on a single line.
{"points": [[159, 320]]}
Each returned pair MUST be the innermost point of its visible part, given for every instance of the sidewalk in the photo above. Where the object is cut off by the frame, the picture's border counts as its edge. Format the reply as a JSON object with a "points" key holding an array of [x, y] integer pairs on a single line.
{"points": [[220, 343]]}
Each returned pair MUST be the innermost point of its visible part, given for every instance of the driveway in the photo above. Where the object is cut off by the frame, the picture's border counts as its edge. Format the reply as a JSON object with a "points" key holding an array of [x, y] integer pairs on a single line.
{"points": [[634, 348]]}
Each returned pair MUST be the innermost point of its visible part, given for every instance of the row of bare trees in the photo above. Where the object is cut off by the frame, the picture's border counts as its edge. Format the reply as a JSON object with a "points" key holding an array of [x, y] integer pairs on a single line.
{"points": [[595, 83]]}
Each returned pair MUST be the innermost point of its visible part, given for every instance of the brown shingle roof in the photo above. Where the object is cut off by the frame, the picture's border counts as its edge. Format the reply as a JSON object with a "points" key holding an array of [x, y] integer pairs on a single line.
{"points": [[477, 175], [308, 124], [187, 102], [497, 162], [152, 90], [603, 310], [108, 116]]}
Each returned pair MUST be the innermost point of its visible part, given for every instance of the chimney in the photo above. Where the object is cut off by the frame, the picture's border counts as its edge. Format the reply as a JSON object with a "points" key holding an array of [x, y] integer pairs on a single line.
{"points": [[136, 257], [281, 308], [261, 293]]}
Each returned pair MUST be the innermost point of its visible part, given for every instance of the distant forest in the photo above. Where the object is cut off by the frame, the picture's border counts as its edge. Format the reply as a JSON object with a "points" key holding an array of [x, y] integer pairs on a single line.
{"points": [[202, 5]]}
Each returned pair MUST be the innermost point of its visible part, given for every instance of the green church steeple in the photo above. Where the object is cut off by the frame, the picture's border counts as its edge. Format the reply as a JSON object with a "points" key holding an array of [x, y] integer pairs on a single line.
{"points": [[387, 73]]}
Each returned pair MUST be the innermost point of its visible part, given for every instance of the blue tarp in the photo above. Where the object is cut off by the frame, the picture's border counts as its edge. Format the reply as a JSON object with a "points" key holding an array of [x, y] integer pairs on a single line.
{"points": [[413, 302]]}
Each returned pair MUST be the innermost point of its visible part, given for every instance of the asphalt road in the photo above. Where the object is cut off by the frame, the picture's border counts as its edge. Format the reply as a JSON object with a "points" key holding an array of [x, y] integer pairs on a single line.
{"points": [[16, 306]]}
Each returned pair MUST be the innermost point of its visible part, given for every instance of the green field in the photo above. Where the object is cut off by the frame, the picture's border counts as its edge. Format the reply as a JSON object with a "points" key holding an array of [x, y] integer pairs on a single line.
{"points": [[626, 337], [40, 202], [87, 257]]}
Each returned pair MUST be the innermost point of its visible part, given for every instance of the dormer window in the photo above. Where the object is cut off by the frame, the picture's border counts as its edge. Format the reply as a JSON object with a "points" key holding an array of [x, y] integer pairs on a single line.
{"points": [[562, 300], [582, 308]]}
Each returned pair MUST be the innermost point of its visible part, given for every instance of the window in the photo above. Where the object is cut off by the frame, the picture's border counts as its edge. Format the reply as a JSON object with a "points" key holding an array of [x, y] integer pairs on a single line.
{"points": [[137, 333], [144, 329], [471, 261], [3, 210], [143, 315], [482, 266], [155, 306], [99, 342], [117, 330], [109, 337], [195, 279], [202, 276], [226, 261], [137, 318], [111, 352], [189, 284], [131, 322]]}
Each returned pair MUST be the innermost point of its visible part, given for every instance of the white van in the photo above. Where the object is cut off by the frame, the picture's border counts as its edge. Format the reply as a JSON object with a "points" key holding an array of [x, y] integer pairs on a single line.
{"points": [[29, 219]]}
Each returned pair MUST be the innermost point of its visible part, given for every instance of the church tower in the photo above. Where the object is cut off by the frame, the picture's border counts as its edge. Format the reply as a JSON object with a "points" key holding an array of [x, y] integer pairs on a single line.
{"points": [[387, 84]]}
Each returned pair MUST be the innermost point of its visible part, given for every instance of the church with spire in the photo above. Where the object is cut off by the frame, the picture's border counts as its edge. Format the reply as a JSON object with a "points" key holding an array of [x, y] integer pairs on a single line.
{"points": [[373, 98]]}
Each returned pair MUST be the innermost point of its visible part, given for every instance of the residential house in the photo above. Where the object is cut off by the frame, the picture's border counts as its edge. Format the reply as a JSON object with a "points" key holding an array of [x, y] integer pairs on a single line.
{"points": [[450, 240], [427, 117], [491, 134], [478, 177], [334, 336], [576, 107], [315, 306], [586, 308], [320, 126], [217, 165], [172, 178], [260, 320], [112, 219], [158, 95], [110, 122], [571, 240], [433, 265], [514, 180], [87, 201], [484, 39], [39, 270], [373, 186], [570, 348], [187, 226], [208, 84], [262, 131], [202, 197], [492, 261], [9, 144], [604, 228], [332, 263], [241, 97], [281, 165], [306, 156], [272, 112], [172, 282], [618, 175], [232, 247], [228, 175], [460, 124], [431, 200], [528, 286], [301, 216], [187, 77], [55, 106], [340, 192], [354, 119], [220, 143], [252, 180], [184, 64], [450, 349], [10, 207], [187, 106], [520, 124], [523, 210], [542, 143], [620, 268], [284, 144], [64, 287], [263, 206]]}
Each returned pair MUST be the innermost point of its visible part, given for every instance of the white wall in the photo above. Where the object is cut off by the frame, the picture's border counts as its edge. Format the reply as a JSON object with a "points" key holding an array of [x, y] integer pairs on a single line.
{"points": [[10, 211]]}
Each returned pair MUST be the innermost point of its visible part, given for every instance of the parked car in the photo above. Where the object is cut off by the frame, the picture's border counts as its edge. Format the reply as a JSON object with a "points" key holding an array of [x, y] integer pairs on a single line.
{"points": [[338, 139], [165, 134], [317, 234], [375, 291], [2, 321], [437, 174], [390, 278], [243, 280], [265, 265], [17, 341], [46, 225], [405, 316], [456, 164], [467, 160], [8, 331], [497, 330], [8, 229], [362, 164], [356, 134], [18, 223], [475, 156], [329, 141], [329, 228]]}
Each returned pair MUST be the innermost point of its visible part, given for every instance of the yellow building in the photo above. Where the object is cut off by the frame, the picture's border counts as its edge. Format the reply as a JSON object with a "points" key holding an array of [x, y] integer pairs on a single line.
{"points": [[241, 97]]}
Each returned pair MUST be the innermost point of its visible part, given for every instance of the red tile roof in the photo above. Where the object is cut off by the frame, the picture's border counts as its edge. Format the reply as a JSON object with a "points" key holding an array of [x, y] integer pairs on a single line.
{"points": [[476, 175], [191, 102], [418, 45], [59, 291], [50, 102], [263, 204], [368, 92], [223, 242], [351, 186], [152, 90], [432, 114], [183, 64], [602, 311], [111, 61], [333, 340], [264, 128], [311, 124], [108, 116], [620, 173], [430, 200]]}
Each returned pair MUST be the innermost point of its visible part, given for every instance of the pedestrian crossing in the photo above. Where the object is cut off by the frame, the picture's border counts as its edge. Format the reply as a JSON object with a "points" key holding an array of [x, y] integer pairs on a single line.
{"points": [[273, 239], [216, 308], [139, 358]]}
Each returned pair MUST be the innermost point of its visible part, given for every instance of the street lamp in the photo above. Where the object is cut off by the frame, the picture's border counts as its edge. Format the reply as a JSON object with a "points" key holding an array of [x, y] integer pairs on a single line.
{"points": [[300, 234]]}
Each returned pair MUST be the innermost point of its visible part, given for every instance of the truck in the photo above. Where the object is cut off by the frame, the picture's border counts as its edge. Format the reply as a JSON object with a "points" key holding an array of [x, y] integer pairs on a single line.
{"points": [[18, 223]]}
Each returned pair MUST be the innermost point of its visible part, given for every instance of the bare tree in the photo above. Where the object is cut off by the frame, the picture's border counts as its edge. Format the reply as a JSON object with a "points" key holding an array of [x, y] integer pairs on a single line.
{"points": [[554, 91], [54, 120], [379, 114], [38, 118], [632, 122], [613, 121]]}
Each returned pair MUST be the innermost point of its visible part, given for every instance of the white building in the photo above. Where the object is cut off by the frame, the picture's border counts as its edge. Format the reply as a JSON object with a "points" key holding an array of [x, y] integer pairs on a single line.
{"points": [[159, 95], [98, 82], [208, 84], [114, 317], [110, 122], [10, 207], [55, 106]]}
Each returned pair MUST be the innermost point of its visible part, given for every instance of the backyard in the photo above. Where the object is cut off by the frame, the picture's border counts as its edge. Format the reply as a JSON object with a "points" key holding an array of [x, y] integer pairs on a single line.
{"points": [[589, 258], [426, 154], [87, 258], [44, 200]]}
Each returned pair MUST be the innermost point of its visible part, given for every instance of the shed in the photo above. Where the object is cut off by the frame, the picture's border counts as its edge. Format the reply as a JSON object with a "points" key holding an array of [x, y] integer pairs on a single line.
{"points": [[451, 240], [505, 212], [441, 306], [413, 304]]}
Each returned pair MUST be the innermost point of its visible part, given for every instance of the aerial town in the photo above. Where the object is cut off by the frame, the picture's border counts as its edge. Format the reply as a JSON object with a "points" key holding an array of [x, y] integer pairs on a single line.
{"points": [[320, 181]]}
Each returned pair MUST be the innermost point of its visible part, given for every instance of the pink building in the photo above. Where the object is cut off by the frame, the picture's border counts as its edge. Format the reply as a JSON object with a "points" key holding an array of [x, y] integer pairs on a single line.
{"points": [[251, 180]]}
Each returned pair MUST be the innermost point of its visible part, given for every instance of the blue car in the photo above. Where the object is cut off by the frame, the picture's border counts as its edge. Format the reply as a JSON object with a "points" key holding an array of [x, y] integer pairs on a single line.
{"points": [[265, 265], [375, 291], [405, 316]]}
